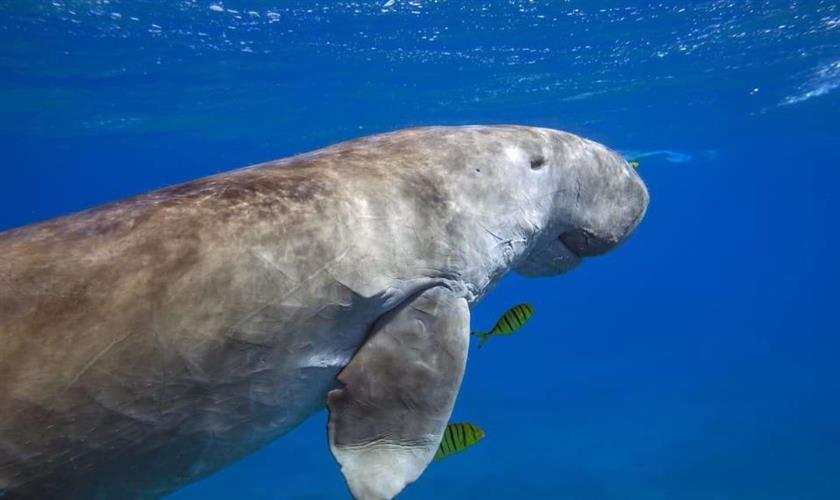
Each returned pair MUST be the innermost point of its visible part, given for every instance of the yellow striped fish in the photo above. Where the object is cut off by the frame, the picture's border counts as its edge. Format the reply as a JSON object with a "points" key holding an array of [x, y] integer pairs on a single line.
{"points": [[457, 438], [514, 319]]}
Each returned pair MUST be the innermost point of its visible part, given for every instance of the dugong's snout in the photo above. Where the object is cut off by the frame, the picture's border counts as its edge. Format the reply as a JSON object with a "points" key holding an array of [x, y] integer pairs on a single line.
{"points": [[600, 200], [613, 215]]}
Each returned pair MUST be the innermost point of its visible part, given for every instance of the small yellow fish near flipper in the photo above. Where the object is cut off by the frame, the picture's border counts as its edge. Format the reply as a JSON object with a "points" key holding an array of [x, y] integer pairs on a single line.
{"points": [[514, 319], [457, 438], [634, 164]]}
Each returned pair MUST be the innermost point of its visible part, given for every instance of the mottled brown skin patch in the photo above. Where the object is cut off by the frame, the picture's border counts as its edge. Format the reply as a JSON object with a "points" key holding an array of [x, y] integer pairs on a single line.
{"points": [[82, 293]]}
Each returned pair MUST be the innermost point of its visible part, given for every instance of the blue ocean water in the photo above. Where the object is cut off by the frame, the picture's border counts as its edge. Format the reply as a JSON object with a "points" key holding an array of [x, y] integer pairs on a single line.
{"points": [[701, 360]]}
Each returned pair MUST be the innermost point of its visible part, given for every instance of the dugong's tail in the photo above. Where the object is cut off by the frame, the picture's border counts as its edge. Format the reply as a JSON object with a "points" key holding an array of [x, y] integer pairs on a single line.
{"points": [[482, 337]]}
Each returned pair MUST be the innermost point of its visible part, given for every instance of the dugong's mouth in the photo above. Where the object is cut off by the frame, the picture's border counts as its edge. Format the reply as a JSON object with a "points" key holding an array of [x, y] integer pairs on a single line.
{"points": [[565, 252], [583, 243]]}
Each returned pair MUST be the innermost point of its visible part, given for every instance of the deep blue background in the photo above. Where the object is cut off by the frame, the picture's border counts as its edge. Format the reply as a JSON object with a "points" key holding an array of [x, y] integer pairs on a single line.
{"points": [[698, 361]]}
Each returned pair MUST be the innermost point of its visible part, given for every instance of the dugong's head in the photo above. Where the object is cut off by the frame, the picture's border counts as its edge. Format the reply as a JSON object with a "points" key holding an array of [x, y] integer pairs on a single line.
{"points": [[581, 198]]}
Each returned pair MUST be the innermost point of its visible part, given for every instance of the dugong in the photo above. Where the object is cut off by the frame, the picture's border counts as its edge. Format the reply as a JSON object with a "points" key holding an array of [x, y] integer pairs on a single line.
{"points": [[149, 342]]}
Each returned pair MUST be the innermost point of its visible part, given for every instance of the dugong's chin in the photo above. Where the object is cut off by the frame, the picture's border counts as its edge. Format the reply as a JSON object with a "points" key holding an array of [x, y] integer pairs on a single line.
{"points": [[550, 259]]}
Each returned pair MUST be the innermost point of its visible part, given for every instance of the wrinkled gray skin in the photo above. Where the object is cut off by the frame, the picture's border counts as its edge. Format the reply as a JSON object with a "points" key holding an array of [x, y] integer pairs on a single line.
{"points": [[149, 342]]}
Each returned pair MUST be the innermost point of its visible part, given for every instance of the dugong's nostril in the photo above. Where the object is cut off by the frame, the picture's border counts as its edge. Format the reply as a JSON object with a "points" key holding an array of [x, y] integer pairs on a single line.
{"points": [[585, 244], [537, 162]]}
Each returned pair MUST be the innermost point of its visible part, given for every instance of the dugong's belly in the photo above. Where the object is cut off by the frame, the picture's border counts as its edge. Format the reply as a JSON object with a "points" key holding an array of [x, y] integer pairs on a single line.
{"points": [[110, 442]]}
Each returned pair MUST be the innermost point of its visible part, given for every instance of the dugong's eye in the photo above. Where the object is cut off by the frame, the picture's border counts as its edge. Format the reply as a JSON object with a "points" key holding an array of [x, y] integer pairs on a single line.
{"points": [[537, 162]]}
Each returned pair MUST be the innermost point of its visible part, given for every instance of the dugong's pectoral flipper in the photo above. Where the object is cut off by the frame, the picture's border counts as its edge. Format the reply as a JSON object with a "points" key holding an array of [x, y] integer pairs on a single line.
{"points": [[387, 422]]}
